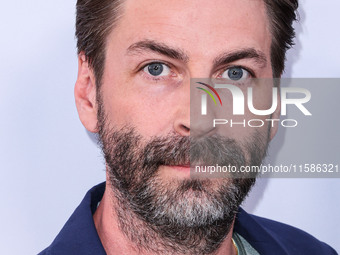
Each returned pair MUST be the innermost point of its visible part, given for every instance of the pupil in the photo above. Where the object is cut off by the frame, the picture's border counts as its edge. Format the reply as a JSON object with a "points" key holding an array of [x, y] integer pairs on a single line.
{"points": [[235, 73], [155, 69]]}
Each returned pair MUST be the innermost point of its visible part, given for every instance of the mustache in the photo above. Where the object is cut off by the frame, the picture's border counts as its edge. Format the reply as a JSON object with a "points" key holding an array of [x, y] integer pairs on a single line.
{"points": [[178, 150], [127, 149]]}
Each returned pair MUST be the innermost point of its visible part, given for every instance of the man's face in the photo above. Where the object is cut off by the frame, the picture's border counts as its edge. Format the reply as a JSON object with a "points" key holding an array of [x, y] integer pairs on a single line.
{"points": [[144, 105], [136, 92]]}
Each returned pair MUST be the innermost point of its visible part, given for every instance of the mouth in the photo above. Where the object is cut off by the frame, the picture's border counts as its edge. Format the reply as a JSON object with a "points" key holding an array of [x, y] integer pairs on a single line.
{"points": [[180, 169], [184, 167]]}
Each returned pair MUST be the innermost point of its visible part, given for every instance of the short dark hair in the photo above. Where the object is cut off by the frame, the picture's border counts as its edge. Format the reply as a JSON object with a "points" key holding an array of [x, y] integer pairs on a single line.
{"points": [[281, 14], [96, 18], [94, 21]]}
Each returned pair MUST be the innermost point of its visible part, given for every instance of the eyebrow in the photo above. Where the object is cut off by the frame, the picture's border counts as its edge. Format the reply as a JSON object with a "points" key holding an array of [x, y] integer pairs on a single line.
{"points": [[175, 53], [160, 48], [247, 53]]}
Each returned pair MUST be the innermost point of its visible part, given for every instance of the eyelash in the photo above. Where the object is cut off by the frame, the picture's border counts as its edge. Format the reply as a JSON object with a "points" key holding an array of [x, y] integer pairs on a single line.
{"points": [[251, 72], [155, 78], [161, 78]]}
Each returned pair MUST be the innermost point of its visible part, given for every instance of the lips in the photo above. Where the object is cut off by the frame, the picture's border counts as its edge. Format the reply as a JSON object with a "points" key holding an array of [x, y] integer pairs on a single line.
{"points": [[181, 168], [186, 165]]}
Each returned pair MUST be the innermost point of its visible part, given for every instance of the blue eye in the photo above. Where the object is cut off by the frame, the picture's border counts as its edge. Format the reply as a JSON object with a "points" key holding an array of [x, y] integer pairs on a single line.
{"points": [[157, 69], [235, 74]]}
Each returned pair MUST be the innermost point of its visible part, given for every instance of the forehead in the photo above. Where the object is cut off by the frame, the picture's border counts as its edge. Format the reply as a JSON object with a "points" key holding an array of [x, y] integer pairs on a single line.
{"points": [[208, 25]]}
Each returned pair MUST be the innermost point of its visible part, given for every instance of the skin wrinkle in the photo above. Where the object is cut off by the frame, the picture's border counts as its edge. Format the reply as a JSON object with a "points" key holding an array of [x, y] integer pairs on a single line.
{"points": [[163, 49]]}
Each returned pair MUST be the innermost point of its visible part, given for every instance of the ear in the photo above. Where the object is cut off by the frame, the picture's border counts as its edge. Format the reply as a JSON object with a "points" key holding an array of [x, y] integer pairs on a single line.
{"points": [[276, 115], [85, 94]]}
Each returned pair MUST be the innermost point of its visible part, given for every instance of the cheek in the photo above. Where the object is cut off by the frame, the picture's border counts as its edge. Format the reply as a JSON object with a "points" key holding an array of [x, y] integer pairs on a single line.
{"points": [[264, 100], [241, 126], [151, 112]]}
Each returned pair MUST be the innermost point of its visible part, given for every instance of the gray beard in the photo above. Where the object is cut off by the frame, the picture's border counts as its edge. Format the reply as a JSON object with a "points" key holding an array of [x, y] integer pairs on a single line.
{"points": [[190, 216]]}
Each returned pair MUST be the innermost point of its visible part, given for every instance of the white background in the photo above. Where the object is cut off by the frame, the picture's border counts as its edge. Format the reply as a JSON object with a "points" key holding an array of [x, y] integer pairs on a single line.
{"points": [[48, 161]]}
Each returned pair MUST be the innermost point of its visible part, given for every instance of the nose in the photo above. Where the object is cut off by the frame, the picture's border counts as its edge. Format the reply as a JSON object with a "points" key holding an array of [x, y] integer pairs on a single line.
{"points": [[182, 127], [182, 121], [190, 120], [201, 124]]}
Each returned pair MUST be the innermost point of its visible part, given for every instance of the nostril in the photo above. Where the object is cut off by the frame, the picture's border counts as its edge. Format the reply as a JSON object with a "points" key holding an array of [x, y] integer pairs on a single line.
{"points": [[185, 128]]}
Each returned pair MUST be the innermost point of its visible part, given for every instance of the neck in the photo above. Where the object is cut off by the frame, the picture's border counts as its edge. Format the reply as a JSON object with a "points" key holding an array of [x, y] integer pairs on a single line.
{"points": [[122, 232]]}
